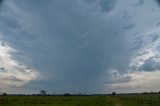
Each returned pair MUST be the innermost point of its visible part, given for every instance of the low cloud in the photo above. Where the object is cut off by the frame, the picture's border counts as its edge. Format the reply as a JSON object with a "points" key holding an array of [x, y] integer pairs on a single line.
{"points": [[141, 81]]}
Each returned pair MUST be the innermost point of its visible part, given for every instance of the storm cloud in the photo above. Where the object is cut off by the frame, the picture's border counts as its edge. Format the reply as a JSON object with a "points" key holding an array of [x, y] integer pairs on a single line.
{"points": [[79, 45]]}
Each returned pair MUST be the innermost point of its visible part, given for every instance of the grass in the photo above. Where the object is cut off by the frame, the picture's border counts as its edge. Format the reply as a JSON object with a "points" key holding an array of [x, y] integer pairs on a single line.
{"points": [[117, 100]]}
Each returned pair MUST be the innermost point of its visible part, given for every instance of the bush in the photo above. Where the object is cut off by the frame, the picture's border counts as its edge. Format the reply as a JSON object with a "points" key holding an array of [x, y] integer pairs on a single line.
{"points": [[113, 93], [66, 94], [4, 94]]}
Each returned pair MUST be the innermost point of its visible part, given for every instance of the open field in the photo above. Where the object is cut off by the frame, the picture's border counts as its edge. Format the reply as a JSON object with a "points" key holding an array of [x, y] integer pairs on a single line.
{"points": [[117, 100]]}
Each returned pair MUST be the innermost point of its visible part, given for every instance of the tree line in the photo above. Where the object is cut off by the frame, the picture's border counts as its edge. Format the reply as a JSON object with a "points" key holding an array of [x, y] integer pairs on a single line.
{"points": [[44, 93]]}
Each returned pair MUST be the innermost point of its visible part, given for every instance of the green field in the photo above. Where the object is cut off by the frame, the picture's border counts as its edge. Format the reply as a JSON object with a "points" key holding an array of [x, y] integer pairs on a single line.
{"points": [[117, 100]]}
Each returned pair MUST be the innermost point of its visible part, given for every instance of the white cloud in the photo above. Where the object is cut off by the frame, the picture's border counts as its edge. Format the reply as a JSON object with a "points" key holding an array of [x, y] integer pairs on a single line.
{"points": [[144, 70], [140, 81], [147, 50], [13, 73], [13, 22]]}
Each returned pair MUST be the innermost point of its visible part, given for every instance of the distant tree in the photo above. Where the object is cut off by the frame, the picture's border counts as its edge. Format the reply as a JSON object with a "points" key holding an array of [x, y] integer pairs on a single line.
{"points": [[113, 93], [66, 94], [4, 94], [43, 92]]}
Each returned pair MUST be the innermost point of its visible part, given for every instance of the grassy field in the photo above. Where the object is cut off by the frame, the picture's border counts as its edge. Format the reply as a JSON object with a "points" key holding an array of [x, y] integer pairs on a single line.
{"points": [[117, 100]]}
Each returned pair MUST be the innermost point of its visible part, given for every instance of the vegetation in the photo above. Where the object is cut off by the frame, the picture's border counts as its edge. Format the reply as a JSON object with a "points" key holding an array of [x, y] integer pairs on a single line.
{"points": [[43, 92], [113, 93], [82, 100]]}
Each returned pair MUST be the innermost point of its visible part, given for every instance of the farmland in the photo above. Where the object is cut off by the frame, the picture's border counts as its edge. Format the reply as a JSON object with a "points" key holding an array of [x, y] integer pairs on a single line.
{"points": [[97, 100]]}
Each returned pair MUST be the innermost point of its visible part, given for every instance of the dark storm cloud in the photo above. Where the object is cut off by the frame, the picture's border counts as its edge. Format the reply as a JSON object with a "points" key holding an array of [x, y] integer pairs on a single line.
{"points": [[69, 46], [75, 45], [158, 1], [1, 1]]}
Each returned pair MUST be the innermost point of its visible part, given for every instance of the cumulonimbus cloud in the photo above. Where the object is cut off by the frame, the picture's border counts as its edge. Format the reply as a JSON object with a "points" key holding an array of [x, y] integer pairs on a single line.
{"points": [[74, 45]]}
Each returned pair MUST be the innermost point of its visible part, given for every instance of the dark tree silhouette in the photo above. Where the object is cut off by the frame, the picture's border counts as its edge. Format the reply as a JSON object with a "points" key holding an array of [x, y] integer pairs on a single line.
{"points": [[113, 93], [43, 92], [66, 94], [4, 94]]}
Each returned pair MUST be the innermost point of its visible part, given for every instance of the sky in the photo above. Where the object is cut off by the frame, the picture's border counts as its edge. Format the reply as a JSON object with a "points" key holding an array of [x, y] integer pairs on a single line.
{"points": [[71, 46]]}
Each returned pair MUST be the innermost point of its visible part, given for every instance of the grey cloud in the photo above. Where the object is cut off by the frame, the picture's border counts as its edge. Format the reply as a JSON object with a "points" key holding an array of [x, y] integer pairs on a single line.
{"points": [[107, 5], [146, 57], [72, 46], [2, 69], [13, 79], [140, 2], [118, 77], [152, 64], [158, 24], [158, 1], [155, 37], [90, 1], [1, 1], [60, 49], [130, 26]]}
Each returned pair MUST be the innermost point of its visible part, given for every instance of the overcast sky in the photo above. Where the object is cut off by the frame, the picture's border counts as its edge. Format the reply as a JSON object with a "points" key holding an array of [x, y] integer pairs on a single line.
{"points": [[88, 46]]}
